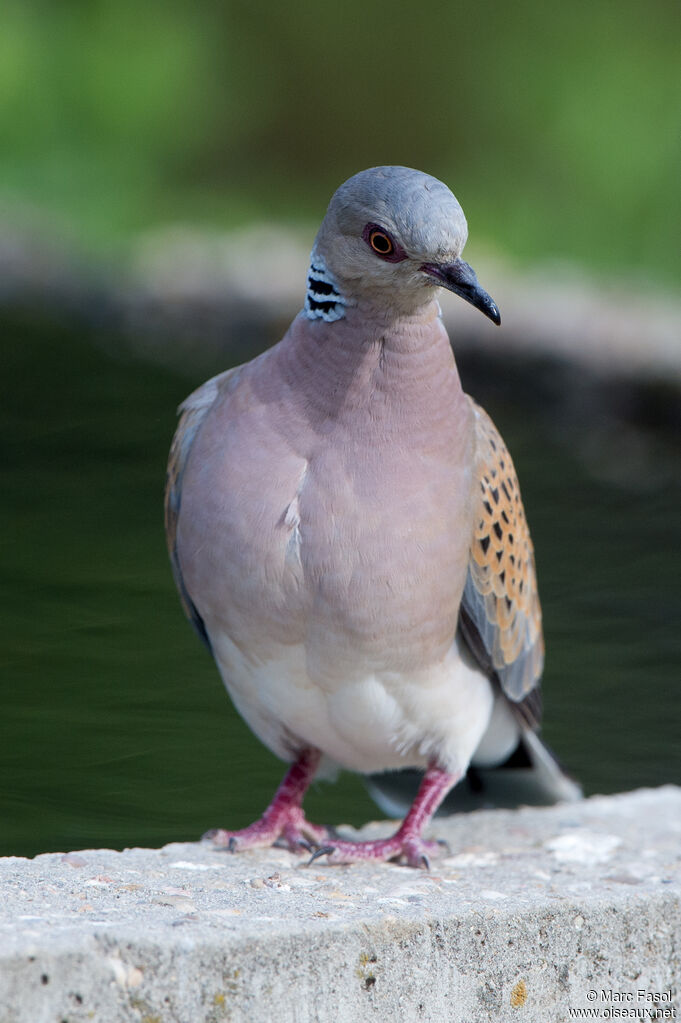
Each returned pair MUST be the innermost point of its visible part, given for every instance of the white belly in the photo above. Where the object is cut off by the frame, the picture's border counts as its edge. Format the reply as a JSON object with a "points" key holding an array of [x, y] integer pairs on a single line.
{"points": [[363, 722]]}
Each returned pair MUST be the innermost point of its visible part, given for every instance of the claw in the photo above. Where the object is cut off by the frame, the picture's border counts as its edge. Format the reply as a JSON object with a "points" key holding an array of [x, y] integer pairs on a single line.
{"points": [[293, 842], [324, 850]]}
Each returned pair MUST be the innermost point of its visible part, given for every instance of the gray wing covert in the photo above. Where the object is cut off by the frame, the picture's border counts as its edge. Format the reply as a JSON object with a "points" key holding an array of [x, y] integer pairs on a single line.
{"points": [[192, 414]]}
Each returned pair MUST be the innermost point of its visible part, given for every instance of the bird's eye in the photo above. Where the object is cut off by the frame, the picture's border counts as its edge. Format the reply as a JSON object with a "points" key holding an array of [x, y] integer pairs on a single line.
{"points": [[381, 243]]}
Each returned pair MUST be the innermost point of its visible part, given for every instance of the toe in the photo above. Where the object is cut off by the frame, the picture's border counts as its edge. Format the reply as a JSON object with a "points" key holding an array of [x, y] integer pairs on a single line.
{"points": [[415, 852], [252, 837], [218, 836]]}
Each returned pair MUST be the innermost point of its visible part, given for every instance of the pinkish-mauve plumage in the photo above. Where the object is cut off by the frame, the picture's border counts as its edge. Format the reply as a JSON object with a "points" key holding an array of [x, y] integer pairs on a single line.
{"points": [[329, 505]]}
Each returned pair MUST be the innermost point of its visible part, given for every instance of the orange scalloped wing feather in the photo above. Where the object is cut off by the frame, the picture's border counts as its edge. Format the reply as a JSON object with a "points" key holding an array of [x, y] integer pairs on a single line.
{"points": [[500, 610]]}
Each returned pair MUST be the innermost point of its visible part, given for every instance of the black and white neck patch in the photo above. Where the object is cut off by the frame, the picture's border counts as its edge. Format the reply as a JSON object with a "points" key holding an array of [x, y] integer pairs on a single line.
{"points": [[323, 300]]}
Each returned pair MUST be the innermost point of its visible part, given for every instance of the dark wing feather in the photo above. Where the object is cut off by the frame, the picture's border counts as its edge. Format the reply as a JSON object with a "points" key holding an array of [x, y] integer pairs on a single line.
{"points": [[192, 413], [500, 616]]}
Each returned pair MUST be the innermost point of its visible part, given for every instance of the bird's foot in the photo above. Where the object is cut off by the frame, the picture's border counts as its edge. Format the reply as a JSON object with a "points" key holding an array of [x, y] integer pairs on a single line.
{"points": [[408, 848], [283, 822], [289, 828]]}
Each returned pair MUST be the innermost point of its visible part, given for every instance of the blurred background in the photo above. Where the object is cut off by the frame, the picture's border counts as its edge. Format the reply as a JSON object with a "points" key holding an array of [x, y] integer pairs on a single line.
{"points": [[163, 169]]}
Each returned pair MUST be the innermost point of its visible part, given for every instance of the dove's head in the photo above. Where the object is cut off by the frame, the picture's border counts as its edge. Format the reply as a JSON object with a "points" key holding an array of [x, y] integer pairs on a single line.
{"points": [[391, 235]]}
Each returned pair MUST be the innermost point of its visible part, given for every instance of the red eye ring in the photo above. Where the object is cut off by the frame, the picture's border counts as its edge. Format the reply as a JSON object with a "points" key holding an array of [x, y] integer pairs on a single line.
{"points": [[382, 245]]}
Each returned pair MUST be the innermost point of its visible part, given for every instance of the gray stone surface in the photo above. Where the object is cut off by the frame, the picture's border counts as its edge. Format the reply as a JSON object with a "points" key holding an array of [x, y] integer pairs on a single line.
{"points": [[536, 914]]}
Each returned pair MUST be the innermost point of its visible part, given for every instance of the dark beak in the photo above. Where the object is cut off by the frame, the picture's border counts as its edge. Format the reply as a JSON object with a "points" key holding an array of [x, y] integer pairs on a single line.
{"points": [[460, 278]]}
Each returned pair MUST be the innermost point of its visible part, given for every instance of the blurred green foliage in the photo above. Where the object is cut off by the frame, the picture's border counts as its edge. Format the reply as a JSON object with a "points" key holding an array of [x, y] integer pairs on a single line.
{"points": [[558, 125]]}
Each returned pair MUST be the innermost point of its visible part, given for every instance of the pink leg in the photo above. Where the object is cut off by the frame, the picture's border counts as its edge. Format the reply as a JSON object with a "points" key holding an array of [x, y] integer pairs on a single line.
{"points": [[406, 842], [284, 817]]}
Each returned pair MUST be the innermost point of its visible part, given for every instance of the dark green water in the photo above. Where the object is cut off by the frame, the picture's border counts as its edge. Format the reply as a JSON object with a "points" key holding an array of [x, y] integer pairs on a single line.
{"points": [[115, 729]]}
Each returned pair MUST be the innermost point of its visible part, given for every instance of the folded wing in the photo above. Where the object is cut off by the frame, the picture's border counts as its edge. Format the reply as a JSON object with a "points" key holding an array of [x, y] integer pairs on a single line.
{"points": [[192, 414], [500, 615]]}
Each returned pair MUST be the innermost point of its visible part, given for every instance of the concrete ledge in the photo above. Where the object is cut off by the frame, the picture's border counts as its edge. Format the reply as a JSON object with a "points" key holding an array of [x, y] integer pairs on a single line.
{"points": [[538, 914]]}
